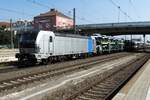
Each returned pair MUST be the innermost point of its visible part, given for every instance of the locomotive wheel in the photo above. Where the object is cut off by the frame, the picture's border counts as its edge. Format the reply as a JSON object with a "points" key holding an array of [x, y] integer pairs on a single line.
{"points": [[45, 61]]}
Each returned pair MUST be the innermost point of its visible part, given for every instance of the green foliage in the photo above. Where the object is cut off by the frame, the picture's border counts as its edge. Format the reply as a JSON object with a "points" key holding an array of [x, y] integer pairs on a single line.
{"points": [[5, 39], [2, 28]]}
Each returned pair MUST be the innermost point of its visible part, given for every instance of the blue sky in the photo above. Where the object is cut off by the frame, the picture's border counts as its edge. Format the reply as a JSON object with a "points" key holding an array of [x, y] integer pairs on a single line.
{"points": [[87, 11]]}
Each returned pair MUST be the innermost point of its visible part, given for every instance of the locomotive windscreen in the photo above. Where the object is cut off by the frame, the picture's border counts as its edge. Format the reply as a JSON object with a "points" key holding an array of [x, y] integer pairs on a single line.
{"points": [[27, 39]]}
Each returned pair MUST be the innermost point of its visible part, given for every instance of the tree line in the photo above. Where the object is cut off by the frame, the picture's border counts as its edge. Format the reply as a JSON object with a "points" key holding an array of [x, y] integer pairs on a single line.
{"points": [[5, 38]]}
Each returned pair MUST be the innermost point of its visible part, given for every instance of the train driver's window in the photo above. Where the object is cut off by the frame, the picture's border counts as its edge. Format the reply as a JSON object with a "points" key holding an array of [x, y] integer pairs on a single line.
{"points": [[50, 39]]}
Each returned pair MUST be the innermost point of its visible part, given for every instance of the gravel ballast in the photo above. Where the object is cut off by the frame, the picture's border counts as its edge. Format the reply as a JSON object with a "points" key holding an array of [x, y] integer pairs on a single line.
{"points": [[72, 86]]}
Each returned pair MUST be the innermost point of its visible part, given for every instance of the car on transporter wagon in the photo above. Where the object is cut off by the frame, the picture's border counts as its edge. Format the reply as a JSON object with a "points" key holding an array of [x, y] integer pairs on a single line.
{"points": [[108, 44]]}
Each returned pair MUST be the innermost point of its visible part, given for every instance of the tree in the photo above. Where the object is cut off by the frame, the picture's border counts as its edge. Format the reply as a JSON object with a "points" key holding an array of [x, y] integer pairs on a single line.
{"points": [[2, 28]]}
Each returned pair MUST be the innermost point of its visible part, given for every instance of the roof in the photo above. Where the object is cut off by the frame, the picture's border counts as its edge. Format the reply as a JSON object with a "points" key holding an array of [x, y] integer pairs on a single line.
{"points": [[4, 24], [53, 12], [71, 35], [56, 34]]}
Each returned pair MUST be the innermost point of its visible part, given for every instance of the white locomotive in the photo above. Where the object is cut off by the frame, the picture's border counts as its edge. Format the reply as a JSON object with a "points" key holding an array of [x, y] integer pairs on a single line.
{"points": [[44, 46]]}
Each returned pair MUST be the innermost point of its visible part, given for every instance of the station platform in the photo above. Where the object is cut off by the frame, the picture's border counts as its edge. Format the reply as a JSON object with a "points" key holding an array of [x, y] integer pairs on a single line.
{"points": [[138, 88], [7, 55]]}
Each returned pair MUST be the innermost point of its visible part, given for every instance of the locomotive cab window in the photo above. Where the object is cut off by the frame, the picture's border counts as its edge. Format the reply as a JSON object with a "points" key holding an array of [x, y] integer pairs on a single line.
{"points": [[50, 39]]}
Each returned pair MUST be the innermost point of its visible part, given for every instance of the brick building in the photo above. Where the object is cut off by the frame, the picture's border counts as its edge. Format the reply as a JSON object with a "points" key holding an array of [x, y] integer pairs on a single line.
{"points": [[6, 24], [52, 20]]}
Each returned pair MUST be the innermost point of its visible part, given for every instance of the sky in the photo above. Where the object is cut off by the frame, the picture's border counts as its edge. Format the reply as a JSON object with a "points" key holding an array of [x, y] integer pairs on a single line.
{"points": [[87, 11]]}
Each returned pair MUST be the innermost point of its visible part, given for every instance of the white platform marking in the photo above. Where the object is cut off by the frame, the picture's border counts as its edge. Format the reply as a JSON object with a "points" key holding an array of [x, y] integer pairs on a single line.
{"points": [[148, 94]]}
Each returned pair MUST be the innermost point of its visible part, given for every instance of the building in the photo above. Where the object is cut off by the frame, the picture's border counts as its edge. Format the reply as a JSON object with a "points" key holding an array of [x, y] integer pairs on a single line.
{"points": [[52, 20], [4, 24], [22, 25]]}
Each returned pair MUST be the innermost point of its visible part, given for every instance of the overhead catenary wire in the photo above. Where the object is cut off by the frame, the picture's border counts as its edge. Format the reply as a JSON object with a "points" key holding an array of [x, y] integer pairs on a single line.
{"points": [[40, 4], [37, 3], [84, 19], [15, 11], [134, 9], [79, 18], [46, 6], [6, 18], [119, 8]]}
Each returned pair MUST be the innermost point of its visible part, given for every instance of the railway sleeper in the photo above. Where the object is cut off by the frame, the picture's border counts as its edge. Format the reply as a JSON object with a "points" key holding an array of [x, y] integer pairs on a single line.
{"points": [[7, 84], [21, 80], [91, 96], [96, 92], [102, 93], [32, 77], [101, 87], [82, 98], [27, 79], [39, 76], [104, 85], [14, 82], [1, 86], [88, 97], [94, 96], [108, 86], [117, 82]]}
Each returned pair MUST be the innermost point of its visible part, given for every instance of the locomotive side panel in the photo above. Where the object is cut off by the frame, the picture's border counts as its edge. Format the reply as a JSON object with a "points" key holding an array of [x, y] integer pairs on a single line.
{"points": [[69, 45]]}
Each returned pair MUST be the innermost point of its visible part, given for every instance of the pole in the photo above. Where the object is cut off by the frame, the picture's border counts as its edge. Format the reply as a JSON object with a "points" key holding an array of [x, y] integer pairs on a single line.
{"points": [[144, 42], [11, 33], [131, 37], [125, 37], [74, 20], [131, 44], [118, 14]]}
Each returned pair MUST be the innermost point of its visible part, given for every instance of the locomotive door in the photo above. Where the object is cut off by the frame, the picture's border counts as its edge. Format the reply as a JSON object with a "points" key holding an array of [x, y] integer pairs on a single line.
{"points": [[50, 45]]}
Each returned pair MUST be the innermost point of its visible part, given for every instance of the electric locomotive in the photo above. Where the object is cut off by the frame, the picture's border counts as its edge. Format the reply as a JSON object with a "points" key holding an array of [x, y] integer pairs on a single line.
{"points": [[45, 46]]}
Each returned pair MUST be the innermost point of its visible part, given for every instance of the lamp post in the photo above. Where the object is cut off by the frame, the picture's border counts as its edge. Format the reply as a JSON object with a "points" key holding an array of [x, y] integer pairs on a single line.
{"points": [[118, 14], [74, 20], [11, 33]]}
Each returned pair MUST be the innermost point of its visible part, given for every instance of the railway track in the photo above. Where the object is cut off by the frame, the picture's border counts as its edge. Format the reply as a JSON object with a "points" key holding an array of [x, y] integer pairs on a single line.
{"points": [[20, 80], [107, 88], [13, 66], [8, 69]]}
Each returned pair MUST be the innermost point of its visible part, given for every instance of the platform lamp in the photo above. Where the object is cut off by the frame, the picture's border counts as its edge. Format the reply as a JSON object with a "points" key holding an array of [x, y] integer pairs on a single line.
{"points": [[11, 35]]}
